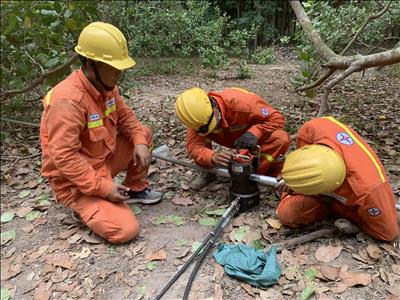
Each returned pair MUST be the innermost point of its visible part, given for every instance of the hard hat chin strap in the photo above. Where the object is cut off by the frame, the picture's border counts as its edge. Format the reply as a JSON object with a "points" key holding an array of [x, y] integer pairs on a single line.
{"points": [[96, 72]]}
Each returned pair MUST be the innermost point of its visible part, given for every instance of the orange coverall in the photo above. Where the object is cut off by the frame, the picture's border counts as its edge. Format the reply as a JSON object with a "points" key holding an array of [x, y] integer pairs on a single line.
{"points": [[365, 197], [242, 111], [88, 138]]}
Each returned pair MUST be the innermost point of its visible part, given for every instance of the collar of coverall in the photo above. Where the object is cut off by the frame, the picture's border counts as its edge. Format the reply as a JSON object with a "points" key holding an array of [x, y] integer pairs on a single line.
{"points": [[221, 109], [88, 85]]}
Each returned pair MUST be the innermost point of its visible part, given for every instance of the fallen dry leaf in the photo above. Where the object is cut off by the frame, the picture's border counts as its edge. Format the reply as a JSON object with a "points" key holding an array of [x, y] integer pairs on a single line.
{"points": [[396, 269], [274, 223], [287, 257], [218, 292], [62, 260], [42, 292], [329, 272], [67, 233], [248, 288], [28, 228], [59, 276], [218, 272], [354, 278], [9, 270], [64, 287], [338, 288], [185, 201], [323, 296], [23, 211], [75, 238], [327, 253], [138, 248], [394, 290], [157, 255], [183, 253], [85, 252], [251, 237], [36, 254], [270, 294], [91, 239], [390, 249], [374, 251]]}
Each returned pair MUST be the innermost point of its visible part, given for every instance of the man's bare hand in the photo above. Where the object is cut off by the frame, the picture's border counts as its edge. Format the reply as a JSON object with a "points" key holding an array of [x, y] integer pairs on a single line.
{"points": [[141, 156], [119, 193], [221, 158]]}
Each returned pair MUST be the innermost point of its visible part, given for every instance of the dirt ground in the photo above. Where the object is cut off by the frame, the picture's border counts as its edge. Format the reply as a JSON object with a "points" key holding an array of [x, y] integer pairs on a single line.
{"points": [[54, 257]]}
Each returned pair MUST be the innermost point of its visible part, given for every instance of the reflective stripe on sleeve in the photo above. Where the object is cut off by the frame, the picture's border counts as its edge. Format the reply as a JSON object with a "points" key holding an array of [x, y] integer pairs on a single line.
{"points": [[360, 144], [48, 97]]}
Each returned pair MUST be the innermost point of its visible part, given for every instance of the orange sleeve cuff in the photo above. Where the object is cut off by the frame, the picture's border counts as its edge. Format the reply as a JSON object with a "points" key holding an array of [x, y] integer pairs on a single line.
{"points": [[257, 132], [105, 187]]}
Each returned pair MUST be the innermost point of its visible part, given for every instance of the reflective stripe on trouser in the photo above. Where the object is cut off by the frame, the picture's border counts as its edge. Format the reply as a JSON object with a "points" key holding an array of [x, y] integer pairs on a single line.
{"points": [[296, 210], [277, 143]]}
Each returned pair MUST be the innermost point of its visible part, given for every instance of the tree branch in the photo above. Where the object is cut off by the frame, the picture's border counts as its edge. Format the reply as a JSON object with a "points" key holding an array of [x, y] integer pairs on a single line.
{"points": [[332, 83], [40, 79], [367, 20], [20, 122], [318, 82], [322, 49]]}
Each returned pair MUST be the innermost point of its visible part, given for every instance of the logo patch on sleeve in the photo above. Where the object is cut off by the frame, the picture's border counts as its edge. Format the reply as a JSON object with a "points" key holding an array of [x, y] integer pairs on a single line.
{"points": [[374, 211], [264, 111], [94, 117], [344, 138]]}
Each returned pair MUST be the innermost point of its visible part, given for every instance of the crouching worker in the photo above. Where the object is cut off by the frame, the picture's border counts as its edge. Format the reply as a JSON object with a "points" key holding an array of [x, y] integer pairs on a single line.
{"points": [[233, 118], [335, 171], [89, 135]]}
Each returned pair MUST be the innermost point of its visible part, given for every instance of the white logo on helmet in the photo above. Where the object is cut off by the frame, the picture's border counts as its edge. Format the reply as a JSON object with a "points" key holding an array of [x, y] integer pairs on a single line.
{"points": [[264, 111], [344, 138], [374, 211]]}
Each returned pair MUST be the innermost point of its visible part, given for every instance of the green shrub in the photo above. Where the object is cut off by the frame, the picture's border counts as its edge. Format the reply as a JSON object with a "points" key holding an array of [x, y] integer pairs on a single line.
{"points": [[244, 71], [263, 56]]}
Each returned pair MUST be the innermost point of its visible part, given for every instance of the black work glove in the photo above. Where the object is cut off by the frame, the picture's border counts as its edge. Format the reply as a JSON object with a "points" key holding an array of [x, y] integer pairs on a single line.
{"points": [[246, 141]]}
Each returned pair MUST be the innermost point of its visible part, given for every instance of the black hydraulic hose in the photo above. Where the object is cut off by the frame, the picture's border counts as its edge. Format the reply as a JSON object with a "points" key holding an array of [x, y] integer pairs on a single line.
{"points": [[211, 243], [184, 267], [232, 209]]}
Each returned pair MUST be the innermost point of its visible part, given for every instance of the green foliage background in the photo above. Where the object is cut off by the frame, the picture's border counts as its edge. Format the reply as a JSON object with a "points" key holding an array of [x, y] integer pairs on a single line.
{"points": [[37, 36]]}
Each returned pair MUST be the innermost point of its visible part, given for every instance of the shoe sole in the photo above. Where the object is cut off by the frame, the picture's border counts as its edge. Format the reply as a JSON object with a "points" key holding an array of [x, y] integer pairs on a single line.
{"points": [[143, 201]]}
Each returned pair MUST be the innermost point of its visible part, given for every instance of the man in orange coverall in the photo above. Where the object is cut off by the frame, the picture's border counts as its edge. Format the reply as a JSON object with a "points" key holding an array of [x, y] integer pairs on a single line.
{"points": [[233, 118], [333, 160], [89, 135]]}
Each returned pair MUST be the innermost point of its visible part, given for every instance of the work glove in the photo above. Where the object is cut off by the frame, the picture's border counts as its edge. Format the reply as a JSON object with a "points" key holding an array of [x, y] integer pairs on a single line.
{"points": [[246, 141]]}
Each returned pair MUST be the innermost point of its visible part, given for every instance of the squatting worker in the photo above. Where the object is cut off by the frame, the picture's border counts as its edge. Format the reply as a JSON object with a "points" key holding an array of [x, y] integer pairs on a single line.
{"points": [[233, 118], [89, 135], [332, 159]]}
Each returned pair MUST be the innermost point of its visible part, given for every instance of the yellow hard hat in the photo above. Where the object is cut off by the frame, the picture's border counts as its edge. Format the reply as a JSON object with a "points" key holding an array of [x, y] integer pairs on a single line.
{"points": [[194, 109], [314, 169], [104, 42]]}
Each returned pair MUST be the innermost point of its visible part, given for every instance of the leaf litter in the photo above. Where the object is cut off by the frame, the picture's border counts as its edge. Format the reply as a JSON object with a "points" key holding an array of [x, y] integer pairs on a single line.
{"points": [[26, 193]]}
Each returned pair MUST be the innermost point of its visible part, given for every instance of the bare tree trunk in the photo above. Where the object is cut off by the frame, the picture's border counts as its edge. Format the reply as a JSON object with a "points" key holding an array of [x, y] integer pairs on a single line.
{"points": [[334, 62]]}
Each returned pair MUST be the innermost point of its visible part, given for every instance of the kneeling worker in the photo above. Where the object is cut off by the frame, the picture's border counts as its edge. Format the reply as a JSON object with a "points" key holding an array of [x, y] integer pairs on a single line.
{"points": [[335, 171], [89, 135], [233, 118]]}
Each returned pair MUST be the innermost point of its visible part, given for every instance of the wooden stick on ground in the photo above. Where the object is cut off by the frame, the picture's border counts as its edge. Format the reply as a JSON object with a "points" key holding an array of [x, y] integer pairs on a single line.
{"points": [[304, 239]]}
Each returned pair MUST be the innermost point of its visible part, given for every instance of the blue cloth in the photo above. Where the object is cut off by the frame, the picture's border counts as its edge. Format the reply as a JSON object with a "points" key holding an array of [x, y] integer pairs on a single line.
{"points": [[257, 268]]}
